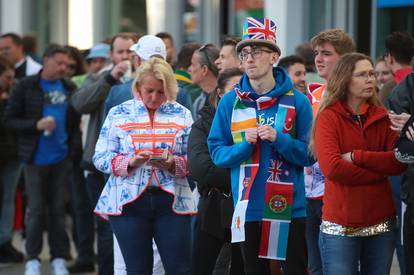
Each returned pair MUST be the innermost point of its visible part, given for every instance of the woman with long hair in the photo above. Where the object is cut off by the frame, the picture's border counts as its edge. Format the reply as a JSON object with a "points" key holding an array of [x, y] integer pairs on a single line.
{"points": [[353, 143]]}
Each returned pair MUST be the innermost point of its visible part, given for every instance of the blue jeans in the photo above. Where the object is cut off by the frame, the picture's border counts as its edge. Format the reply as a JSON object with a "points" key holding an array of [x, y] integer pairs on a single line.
{"points": [[9, 177], [313, 222], [151, 216], [343, 255]]}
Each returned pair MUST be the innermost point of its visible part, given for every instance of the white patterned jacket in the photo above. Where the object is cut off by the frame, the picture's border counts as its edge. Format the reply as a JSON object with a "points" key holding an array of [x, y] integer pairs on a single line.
{"points": [[128, 130]]}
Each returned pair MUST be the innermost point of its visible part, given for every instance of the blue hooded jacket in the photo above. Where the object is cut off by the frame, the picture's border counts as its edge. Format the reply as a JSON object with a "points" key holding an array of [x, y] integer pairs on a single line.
{"points": [[226, 154]]}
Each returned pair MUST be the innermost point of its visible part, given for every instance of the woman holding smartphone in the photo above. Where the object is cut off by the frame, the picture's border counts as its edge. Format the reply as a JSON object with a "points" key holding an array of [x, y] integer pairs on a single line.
{"points": [[147, 195]]}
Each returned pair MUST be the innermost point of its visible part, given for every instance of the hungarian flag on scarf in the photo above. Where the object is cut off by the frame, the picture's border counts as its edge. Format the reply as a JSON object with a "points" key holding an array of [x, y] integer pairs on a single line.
{"points": [[275, 233], [276, 220]]}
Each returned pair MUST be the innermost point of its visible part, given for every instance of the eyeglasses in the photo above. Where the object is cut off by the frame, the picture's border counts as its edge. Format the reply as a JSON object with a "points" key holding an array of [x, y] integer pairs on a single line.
{"points": [[365, 75], [203, 49], [255, 53]]}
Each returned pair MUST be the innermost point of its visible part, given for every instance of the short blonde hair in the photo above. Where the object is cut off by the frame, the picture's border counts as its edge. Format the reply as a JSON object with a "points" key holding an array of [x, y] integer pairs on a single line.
{"points": [[161, 71]]}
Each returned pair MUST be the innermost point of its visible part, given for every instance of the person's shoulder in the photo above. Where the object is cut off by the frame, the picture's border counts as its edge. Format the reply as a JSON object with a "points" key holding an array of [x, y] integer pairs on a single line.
{"points": [[121, 109], [35, 66], [378, 111], [68, 84], [173, 107], [299, 95], [332, 110], [122, 88], [406, 84], [228, 98], [300, 98], [28, 81]]}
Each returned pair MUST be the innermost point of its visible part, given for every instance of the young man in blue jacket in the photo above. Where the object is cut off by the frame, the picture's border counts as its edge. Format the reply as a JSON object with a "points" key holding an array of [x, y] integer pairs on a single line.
{"points": [[260, 131]]}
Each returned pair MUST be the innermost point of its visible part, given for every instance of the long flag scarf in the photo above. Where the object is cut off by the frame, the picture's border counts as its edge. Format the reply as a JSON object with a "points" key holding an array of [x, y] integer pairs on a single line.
{"points": [[279, 185]]}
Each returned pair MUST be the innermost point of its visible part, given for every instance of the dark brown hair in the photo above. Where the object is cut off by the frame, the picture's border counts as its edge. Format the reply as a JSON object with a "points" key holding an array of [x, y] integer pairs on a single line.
{"points": [[222, 80]]}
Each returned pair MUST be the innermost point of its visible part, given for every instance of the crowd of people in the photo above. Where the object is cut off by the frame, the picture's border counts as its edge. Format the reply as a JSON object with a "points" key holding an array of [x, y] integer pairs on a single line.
{"points": [[214, 160]]}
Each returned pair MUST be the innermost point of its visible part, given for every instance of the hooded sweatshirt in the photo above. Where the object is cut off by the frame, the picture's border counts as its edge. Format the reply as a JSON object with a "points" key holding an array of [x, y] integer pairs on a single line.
{"points": [[226, 154]]}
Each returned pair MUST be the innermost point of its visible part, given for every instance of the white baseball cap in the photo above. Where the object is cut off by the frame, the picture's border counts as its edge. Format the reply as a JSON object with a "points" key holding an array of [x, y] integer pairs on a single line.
{"points": [[148, 46]]}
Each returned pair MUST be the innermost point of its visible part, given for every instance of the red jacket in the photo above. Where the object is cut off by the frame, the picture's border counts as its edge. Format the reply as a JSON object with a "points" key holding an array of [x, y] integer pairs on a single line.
{"points": [[357, 194]]}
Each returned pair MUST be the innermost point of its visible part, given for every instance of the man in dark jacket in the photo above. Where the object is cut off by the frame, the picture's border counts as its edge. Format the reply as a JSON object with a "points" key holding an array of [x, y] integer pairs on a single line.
{"points": [[10, 170], [402, 101], [39, 111], [400, 51]]}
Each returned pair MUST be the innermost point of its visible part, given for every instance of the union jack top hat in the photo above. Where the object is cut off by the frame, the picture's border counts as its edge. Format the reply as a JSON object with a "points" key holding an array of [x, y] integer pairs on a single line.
{"points": [[258, 31]]}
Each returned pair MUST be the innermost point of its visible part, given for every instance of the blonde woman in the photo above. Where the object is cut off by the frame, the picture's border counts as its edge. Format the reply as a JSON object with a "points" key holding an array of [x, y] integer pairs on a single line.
{"points": [[353, 143], [143, 146]]}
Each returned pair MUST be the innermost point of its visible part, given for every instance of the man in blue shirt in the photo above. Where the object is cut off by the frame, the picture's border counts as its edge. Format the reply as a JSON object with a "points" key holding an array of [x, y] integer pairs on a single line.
{"points": [[40, 112]]}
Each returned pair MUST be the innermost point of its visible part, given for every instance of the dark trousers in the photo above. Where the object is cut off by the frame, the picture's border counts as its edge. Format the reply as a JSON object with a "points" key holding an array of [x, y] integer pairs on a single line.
{"points": [[296, 259], [84, 226], [207, 250], [396, 182], [46, 186], [95, 183], [296, 256], [409, 239], [253, 265]]}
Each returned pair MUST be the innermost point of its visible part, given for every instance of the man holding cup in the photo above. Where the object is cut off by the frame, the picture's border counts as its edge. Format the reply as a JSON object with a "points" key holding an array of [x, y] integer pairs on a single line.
{"points": [[40, 112]]}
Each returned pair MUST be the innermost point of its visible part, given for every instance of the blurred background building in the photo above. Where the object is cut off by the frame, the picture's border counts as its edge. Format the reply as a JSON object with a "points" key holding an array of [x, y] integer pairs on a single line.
{"points": [[82, 23]]}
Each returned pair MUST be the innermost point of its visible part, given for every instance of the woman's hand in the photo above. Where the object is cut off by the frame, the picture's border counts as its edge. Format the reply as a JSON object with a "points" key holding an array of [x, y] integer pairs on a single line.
{"points": [[164, 164], [139, 159], [347, 157]]}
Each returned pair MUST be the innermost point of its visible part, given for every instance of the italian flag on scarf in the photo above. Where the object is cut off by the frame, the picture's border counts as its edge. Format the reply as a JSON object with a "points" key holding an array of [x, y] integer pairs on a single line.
{"points": [[278, 199]]}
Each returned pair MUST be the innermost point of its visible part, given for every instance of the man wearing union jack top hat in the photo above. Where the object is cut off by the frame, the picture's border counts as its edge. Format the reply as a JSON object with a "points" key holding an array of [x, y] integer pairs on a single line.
{"points": [[261, 132]]}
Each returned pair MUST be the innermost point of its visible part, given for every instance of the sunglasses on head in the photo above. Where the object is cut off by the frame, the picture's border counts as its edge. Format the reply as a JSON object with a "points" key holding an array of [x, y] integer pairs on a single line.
{"points": [[203, 49]]}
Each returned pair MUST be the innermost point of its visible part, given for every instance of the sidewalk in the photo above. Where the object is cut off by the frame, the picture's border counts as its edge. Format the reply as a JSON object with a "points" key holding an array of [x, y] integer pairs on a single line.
{"points": [[19, 269]]}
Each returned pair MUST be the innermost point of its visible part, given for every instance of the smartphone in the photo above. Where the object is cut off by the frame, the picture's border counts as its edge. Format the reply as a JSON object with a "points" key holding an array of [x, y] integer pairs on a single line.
{"points": [[160, 154]]}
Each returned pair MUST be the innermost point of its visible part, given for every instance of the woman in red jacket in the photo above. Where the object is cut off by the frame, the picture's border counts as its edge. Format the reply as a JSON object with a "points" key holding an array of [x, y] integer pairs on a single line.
{"points": [[353, 143]]}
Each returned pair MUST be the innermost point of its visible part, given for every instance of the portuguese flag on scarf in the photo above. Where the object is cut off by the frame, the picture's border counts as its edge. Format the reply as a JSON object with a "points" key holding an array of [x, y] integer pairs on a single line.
{"points": [[276, 220], [278, 201]]}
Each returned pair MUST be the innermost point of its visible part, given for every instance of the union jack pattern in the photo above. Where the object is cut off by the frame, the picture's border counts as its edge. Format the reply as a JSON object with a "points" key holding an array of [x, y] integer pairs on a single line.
{"points": [[259, 28], [243, 95], [275, 170]]}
